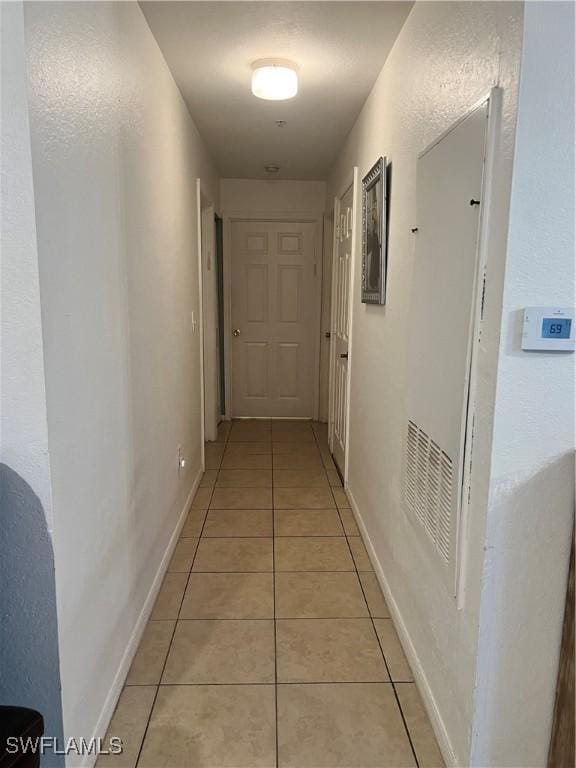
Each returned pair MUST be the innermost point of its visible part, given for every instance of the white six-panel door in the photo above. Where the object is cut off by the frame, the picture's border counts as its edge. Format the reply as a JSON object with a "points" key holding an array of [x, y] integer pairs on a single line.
{"points": [[273, 318], [341, 290]]}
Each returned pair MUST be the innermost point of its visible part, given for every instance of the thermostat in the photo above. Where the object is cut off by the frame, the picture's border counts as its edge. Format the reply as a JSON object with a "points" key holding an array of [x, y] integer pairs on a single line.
{"points": [[549, 329]]}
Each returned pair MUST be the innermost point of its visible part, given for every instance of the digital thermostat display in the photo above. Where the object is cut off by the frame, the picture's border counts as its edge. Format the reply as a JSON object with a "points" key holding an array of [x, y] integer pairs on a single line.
{"points": [[556, 328], [548, 329]]}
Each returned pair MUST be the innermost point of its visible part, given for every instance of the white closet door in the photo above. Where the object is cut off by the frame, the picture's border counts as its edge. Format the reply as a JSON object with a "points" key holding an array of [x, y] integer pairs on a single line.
{"points": [[341, 307], [274, 291], [443, 313]]}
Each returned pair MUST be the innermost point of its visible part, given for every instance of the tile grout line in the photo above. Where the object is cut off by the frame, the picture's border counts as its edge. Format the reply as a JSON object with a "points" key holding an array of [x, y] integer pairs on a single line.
{"points": [[280, 618], [373, 624], [274, 600], [283, 536], [159, 684], [274, 587], [273, 593], [268, 685], [274, 572], [261, 538], [392, 682]]}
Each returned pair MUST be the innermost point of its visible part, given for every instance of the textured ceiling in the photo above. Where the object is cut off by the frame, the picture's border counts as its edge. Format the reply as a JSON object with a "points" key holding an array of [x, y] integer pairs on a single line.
{"points": [[339, 47]]}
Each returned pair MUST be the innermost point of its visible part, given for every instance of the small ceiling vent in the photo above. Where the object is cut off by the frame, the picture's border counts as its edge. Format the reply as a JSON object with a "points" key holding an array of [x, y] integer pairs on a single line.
{"points": [[429, 488]]}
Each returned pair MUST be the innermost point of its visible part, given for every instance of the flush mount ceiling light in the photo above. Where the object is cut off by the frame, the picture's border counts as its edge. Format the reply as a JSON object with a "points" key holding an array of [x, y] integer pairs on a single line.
{"points": [[274, 79]]}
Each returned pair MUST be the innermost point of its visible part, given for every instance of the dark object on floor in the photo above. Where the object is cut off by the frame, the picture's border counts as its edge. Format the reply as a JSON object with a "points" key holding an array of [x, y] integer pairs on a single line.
{"points": [[22, 724]]}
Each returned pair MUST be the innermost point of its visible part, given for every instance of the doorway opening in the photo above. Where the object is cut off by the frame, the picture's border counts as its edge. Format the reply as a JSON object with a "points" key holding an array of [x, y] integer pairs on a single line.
{"points": [[345, 229], [274, 298], [209, 313], [219, 244]]}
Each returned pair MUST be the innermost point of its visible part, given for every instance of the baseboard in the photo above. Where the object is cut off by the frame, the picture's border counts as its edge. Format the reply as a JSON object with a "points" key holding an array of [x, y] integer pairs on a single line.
{"points": [[420, 678], [139, 627]]}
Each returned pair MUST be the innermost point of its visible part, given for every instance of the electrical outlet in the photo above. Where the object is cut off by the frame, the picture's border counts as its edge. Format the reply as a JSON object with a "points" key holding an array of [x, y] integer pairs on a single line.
{"points": [[181, 460]]}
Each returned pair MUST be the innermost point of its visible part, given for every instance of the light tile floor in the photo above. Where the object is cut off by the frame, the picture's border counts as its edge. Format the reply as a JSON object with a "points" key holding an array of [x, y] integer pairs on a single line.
{"points": [[270, 643]]}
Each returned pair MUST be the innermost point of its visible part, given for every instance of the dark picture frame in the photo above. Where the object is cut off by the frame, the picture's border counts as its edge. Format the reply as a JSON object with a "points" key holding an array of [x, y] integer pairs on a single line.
{"points": [[374, 204]]}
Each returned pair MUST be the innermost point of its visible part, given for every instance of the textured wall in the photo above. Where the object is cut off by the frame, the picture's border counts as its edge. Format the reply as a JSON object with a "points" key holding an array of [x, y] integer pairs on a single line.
{"points": [[23, 425], [253, 195], [532, 491], [29, 665], [447, 57], [115, 159]]}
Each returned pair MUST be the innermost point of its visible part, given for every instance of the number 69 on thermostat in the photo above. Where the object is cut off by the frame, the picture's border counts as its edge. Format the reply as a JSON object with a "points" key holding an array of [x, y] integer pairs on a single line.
{"points": [[549, 329]]}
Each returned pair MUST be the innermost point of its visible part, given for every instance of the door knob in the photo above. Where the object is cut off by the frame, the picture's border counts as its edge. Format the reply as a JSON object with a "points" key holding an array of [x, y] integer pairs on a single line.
{"points": [[236, 332], [344, 356]]}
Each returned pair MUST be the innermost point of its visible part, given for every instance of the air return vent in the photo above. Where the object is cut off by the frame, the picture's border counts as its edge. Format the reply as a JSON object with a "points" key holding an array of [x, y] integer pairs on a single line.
{"points": [[429, 487]]}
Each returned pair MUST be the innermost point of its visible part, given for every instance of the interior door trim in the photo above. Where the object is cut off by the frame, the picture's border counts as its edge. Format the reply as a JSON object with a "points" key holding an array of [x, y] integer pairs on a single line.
{"points": [[484, 247], [350, 181], [229, 218]]}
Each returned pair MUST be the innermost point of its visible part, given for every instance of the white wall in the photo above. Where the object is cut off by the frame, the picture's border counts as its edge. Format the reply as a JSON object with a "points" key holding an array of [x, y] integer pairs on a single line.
{"points": [[532, 488], [251, 198], [447, 57], [30, 670], [23, 423], [115, 158], [257, 197]]}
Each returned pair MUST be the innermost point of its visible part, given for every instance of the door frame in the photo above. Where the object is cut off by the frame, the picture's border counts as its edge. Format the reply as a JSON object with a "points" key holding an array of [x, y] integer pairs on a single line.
{"points": [[229, 218], [204, 207], [351, 180], [327, 248], [483, 246], [219, 261]]}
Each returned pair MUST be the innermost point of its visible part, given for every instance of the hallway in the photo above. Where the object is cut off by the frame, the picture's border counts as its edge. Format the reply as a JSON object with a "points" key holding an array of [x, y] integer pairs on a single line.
{"points": [[289, 320], [270, 629]]}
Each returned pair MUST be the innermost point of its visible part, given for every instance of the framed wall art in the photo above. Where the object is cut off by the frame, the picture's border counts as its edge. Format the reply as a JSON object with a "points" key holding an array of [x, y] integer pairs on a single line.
{"points": [[374, 234]]}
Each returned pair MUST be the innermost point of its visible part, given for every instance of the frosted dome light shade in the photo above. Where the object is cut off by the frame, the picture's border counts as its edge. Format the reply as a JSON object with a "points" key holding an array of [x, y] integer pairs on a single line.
{"points": [[274, 82]]}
